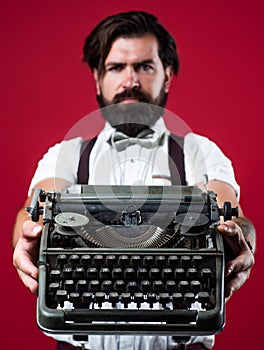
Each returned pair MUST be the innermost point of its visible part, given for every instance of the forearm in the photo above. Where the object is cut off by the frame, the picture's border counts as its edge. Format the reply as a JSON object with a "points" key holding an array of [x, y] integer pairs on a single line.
{"points": [[248, 230]]}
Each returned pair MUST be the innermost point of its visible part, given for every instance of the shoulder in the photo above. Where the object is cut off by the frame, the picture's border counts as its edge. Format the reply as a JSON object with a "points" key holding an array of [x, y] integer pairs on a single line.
{"points": [[192, 138], [60, 161], [65, 146], [63, 155], [203, 156], [71, 143], [194, 143]]}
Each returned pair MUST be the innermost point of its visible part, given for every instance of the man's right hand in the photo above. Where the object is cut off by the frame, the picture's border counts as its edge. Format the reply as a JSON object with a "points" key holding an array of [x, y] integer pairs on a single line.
{"points": [[26, 254]]}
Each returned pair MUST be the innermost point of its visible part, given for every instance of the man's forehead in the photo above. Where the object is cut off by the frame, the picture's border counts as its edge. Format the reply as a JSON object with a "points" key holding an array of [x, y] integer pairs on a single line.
{"points": [[135, 49]]}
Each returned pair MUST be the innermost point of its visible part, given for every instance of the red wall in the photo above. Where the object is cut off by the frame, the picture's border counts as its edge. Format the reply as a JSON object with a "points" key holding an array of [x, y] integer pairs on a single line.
{"points": [[45, 90]]}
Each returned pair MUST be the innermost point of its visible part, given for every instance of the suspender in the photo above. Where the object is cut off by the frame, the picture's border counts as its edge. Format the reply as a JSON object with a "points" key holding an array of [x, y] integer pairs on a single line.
{"points": [[83, 169], [176, 160]]}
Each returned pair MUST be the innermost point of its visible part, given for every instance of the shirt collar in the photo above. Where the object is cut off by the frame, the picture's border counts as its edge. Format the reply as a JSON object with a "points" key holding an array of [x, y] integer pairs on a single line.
{"points": [[159, 128]]}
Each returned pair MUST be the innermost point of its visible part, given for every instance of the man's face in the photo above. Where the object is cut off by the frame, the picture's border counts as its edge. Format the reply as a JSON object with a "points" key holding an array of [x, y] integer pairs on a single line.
{"points": [[133, 73]]}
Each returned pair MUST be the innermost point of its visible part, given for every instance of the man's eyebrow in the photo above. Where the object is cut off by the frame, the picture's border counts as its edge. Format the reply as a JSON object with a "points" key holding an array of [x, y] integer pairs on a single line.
{"points": [[116, 63], [147, 61], [113, 63]]}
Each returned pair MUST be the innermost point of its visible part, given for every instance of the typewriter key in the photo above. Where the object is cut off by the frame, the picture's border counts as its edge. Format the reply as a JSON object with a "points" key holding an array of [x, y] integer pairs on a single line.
{"points": [[189, 298], [87, 297], [104, 272], [99, 298], [142, 273], [204, 298], [195, 286], [61, 296], [69, 285], [132, 287], [192, 273], [119, 286], [113, 298], [157, 286], [125, 299], [81, 286], [138, 298], [177, 299], [164, 299], [55, 275], [106, 286], [170, 286], [79, 272]]}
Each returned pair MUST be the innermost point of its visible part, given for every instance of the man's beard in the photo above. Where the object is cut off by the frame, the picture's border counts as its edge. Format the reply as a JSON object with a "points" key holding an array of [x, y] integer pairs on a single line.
{"points": [[132, 118]]}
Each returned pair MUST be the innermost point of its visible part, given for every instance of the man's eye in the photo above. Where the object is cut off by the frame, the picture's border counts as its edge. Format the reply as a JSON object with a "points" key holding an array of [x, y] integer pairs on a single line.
{"points": [[144, 67], [116, 68]]}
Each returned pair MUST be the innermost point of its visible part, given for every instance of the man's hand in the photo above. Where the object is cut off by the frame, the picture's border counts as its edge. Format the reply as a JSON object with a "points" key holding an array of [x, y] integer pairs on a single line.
{"points": [[26, 254], [237, 269]]}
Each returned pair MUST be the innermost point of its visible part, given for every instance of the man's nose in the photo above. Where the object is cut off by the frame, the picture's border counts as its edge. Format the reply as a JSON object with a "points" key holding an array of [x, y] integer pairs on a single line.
{"points": [[130, 79]]}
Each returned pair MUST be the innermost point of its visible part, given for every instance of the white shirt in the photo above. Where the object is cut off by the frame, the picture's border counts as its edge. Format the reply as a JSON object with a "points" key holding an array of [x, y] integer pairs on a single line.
{"points": [[135, 165]]}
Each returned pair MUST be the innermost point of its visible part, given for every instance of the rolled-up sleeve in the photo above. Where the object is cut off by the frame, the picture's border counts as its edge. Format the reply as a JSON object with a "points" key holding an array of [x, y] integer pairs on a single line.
{"points": [[60, 161], [202, 156]]}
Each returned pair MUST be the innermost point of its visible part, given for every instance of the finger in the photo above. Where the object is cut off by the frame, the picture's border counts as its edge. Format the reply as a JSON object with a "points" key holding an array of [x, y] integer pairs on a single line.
{"points": [[234, 239], [28, 281], [23, 262], [31, 229], [236, 282], [242, 263], [229, 228], [27, 267]]}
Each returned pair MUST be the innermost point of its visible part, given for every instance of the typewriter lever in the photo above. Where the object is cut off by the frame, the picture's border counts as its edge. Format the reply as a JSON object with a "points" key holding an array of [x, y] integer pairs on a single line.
{"points": [[131, 218]]}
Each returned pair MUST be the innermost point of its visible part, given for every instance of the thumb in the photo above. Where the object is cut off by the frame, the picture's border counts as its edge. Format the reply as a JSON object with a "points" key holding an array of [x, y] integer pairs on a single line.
{"points": [[227, 228], [31, 229]]}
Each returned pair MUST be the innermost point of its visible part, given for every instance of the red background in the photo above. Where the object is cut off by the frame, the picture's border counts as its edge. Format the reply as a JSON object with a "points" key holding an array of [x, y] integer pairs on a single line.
{"points": [[45, 89]]}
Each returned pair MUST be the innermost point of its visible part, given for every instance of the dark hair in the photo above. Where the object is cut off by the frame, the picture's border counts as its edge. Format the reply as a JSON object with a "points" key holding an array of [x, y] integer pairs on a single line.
{"points": [[128, 24]]}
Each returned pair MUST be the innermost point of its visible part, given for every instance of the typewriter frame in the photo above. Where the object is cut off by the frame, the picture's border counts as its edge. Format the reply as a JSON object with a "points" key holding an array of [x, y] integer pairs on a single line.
{"points": [[126, 321]]}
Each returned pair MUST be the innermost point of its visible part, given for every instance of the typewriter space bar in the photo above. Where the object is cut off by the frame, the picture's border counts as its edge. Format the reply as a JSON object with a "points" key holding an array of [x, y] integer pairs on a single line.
{"points": [[128, 315]]}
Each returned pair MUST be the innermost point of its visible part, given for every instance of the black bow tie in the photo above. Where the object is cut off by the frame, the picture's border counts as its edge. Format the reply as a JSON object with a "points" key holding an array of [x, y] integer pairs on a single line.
{"points": [[146, 138]]}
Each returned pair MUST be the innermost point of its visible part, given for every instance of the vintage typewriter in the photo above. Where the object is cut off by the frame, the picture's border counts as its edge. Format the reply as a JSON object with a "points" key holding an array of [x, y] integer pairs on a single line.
{"points": [[128, 259]]}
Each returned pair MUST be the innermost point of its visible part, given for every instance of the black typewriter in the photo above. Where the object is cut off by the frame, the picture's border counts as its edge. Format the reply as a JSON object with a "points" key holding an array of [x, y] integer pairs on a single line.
{"points": [[130, 260]]}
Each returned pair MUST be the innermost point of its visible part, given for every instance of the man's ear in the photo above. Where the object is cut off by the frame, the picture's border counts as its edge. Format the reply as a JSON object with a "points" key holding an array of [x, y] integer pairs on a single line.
{"points": [[168, 78], [96, 79]]}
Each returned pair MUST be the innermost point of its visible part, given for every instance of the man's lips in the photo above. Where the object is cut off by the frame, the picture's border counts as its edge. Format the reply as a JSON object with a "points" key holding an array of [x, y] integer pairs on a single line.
{"points": [[129, 100]]}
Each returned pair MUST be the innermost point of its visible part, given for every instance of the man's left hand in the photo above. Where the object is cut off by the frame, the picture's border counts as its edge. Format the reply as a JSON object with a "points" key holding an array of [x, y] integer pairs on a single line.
{"points": [[237, 270]]}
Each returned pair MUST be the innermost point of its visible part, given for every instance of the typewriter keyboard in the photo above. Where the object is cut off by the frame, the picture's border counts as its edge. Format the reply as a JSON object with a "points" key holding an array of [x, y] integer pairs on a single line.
{"points": [[131, 281]]}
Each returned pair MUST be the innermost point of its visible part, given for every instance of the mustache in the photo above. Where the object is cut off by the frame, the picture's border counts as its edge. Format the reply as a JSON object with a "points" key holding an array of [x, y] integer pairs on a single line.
{"points": [[130, 93]]}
